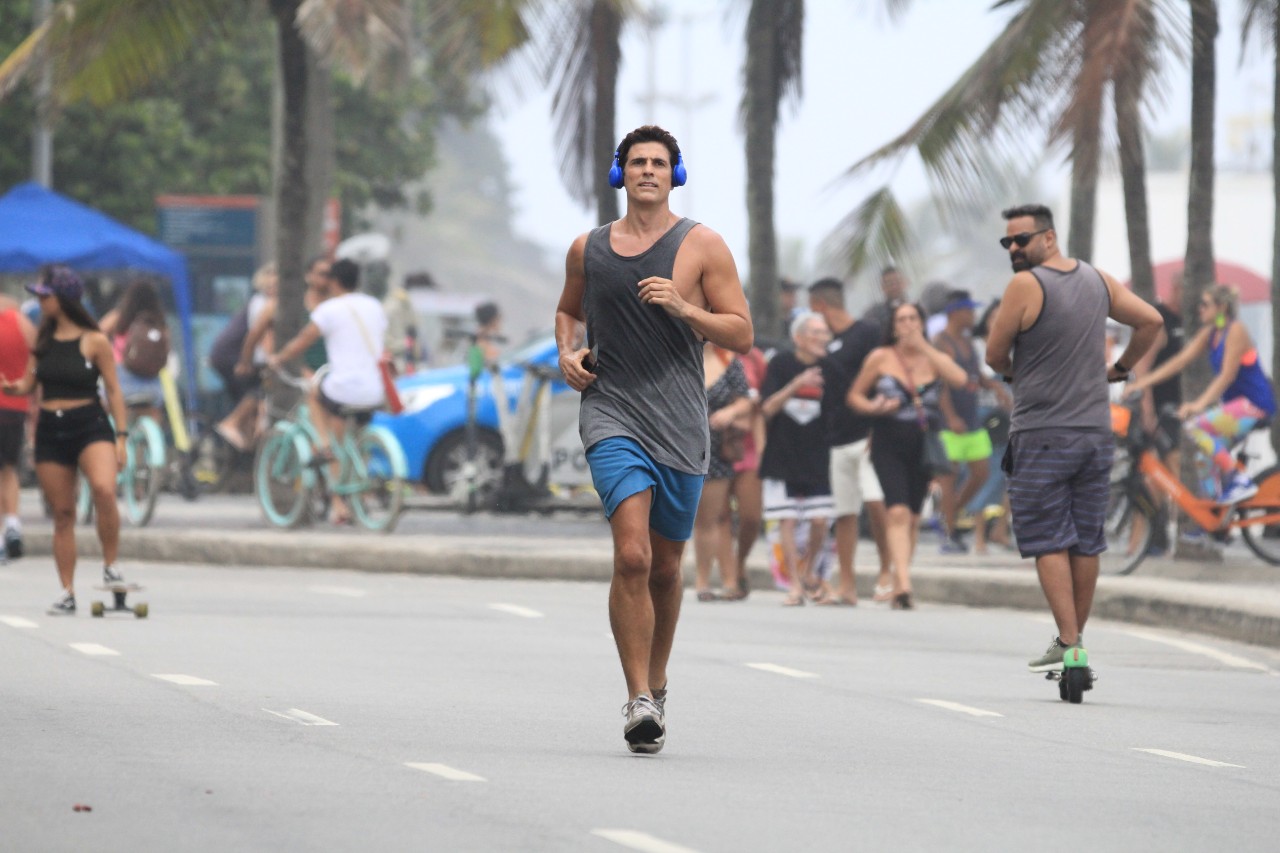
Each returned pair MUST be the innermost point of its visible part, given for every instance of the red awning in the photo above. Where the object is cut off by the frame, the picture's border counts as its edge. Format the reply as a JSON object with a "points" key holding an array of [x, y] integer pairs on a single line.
{"points": [[1253, 286]]}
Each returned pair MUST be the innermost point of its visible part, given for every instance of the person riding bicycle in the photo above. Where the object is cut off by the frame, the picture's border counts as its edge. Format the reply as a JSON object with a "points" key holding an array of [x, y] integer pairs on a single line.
{"points": [[353, 326], [139, 336], [1238, 400]]}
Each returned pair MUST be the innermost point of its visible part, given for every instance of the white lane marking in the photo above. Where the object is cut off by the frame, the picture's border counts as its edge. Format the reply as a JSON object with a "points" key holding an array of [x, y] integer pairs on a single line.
{"points": [[445, 772], [344, 591], [93, 649], [517, 610], [956, 706], [1182, 756], [782, 670], [186, 680], [1225, 658], [295, 716], [18, 622], [640, 841]]}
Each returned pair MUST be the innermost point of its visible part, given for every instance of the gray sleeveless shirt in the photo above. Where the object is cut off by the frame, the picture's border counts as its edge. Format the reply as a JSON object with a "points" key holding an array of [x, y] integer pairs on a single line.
{"points": [[649, 381], [1060, 363]]}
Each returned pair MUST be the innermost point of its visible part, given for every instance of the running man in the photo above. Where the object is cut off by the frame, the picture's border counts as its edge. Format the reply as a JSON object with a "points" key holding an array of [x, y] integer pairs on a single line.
{"points": [[649, 288], [1054, 311]]}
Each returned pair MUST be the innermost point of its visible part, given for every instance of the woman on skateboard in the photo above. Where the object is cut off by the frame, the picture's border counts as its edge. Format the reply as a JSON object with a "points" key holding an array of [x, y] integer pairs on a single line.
{"points": [[72, 429]]}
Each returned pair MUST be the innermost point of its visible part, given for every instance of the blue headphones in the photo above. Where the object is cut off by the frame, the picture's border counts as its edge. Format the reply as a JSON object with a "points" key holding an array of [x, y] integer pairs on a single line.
{"points": [[678, 172]]}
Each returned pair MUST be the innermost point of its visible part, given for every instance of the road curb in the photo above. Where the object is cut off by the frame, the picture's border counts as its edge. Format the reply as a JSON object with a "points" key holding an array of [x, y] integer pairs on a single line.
{"points": [[1178, 605]]}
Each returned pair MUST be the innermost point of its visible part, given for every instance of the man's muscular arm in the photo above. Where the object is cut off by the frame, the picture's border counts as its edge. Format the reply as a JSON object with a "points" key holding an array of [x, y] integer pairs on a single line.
{"points": [[1022, 295], [726, 321], [570, 319]]}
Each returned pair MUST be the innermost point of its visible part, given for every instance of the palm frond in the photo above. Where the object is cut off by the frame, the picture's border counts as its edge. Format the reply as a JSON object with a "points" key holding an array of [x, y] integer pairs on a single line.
{"points": [[876, 234], [1008, 88], [354, 36], [102, 50], [1259, 19]]}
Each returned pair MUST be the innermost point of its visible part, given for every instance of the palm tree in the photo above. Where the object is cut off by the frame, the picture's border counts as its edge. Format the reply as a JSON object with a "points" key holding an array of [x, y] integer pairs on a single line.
{"points": [[1263, 17], [1049, 68], [588, 50], [1200, 269], [771, 73]]}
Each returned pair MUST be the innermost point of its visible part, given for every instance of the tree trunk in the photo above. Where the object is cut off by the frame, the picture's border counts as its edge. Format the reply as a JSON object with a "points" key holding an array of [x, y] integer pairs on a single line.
{"points": [[1200, 268], [1275, 235], [1133, 175], [293, 195], [1084, 189], [606, 35], [321, 154], [760, 118]]}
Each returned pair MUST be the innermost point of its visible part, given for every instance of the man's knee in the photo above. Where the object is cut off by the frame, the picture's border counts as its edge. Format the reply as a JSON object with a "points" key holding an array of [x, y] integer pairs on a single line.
{"points": [[633, 559]]}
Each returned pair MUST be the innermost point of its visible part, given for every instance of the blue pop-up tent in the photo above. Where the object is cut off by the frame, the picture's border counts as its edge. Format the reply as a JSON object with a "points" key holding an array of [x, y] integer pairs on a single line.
{"points": [[39, 226]]}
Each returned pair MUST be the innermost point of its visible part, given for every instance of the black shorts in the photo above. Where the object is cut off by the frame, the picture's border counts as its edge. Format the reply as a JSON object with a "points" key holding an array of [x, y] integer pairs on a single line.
{"points": [[237, 386], [898, 456], [61, 436], [341, 410], [13, 429]]}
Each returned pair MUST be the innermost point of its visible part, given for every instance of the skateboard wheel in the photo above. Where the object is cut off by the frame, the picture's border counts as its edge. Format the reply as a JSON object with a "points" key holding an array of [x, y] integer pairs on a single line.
{"points": [[1075, 679], [140, 611], [96, 608]]}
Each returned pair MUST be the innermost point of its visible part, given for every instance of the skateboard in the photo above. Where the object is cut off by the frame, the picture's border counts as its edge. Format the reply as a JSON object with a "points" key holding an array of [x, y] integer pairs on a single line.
{"points": [[119, 591], [1075, 677]]}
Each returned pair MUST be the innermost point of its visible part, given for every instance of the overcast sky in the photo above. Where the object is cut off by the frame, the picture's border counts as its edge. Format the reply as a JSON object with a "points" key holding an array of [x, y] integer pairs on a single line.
{"points": [[866, 78]]}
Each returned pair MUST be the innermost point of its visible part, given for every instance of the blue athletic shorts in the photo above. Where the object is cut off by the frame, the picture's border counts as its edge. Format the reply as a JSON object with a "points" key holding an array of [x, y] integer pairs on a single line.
{"points": [[620, 468], [1058, 490]]}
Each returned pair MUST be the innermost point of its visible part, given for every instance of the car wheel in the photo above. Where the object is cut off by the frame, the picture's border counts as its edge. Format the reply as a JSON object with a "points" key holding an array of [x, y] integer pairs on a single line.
{"points": [[447, 461]]}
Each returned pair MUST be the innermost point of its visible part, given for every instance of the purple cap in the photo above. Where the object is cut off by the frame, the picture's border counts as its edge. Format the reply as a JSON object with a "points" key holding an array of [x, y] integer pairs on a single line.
{"points": [[59, 281]]}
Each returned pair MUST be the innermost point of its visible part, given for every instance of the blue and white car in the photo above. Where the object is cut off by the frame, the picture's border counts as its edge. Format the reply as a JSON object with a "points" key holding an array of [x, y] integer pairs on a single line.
{"points": [[432, 427]]}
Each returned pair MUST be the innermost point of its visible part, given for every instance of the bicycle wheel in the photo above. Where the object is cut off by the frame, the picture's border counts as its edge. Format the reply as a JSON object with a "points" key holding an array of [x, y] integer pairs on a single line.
{"points": [[1128, 529], [283, 478], [1263, 538], [381, 471], [143, 473]]}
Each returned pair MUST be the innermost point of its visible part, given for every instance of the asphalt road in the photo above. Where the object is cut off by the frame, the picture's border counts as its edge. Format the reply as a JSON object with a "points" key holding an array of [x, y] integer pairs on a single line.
{"points": [[276, 709]]}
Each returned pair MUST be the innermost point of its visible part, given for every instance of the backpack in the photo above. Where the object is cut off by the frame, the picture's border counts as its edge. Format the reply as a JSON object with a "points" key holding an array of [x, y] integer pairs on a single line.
{"points": [[146, 348], [225, 351]]}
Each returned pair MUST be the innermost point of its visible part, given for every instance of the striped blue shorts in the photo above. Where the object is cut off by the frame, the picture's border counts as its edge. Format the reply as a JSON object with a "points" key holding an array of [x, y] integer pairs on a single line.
{"points": [[1058, 490]]}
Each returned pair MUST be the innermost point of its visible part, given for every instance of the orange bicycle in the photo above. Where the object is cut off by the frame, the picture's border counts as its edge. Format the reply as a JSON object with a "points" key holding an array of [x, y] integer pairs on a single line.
{"points": [[1133, 511]]}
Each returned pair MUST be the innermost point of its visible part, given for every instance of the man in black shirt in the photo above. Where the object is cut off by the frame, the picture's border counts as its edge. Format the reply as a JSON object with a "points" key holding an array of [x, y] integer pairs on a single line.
{"points": [[853, 480]]}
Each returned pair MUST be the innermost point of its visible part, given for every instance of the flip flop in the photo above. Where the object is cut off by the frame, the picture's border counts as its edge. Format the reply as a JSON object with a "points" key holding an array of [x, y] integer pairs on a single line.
{"points": [[793, 601], [882, 593], [835, 601], [708, 595]]}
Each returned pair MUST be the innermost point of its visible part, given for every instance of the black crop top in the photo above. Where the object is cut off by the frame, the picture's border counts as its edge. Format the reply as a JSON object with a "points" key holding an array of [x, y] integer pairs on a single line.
{"points": [[65, 374]]}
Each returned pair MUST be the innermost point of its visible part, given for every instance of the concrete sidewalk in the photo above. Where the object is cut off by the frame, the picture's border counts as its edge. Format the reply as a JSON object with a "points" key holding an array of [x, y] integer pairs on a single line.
{"points": [[1238, 599]]}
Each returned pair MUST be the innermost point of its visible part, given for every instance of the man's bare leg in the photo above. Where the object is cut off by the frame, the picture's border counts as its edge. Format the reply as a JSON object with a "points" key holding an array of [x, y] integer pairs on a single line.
{"points": [[846, 549], [666, 593], [1056, 579], [1084, 582], [631, 604]]}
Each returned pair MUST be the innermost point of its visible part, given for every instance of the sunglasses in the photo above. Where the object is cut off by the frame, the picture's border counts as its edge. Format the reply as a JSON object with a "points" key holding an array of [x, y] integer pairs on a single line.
{"points": [[1021, 239]]}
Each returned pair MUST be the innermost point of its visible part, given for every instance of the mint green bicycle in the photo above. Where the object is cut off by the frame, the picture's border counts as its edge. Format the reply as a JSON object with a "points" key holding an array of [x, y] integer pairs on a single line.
{"points": [[295, 485], [138, 484]]}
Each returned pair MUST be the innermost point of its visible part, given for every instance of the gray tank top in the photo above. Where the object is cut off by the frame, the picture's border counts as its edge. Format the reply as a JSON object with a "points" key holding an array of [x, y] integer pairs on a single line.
{"points": [[1060, 363], [649, 381]]}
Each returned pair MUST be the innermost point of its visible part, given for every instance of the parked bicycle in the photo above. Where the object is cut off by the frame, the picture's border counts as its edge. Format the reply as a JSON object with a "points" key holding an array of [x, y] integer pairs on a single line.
{"points": [[1133, 510], [294, 483]]}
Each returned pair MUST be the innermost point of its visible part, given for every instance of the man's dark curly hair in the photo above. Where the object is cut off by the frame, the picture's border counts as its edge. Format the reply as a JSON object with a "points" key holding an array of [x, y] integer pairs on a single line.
{"points": [[1041, 214], [648, 133]]}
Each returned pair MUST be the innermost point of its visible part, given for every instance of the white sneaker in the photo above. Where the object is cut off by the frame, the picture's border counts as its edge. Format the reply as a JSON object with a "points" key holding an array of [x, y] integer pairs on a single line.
{"points": [[111, 576], [65, 606], [645, 729], [1241, 489]]}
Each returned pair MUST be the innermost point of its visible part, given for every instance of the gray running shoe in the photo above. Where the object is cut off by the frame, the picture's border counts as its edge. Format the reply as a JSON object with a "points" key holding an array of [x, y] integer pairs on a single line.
{"points": [[111, 575], [660, 699], [65, 606], [645, 729], [1052, 658]]}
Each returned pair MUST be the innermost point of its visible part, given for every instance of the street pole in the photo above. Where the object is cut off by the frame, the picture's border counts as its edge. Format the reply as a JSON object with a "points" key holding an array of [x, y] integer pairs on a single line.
{"points": [[42, 133]]}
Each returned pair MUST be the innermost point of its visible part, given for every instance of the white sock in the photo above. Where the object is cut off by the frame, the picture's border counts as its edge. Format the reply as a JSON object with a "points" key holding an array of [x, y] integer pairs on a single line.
{"points": [[12, 522]]}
